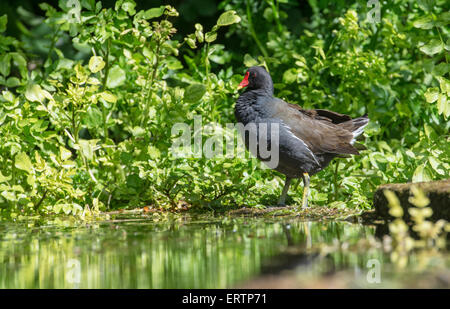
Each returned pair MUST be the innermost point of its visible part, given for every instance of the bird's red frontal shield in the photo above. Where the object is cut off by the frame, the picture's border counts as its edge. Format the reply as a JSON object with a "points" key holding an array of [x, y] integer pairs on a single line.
{"points": [[244, 82]]}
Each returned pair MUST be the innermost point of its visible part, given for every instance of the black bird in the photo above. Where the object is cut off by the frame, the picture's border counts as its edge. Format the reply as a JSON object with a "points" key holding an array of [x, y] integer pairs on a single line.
{"points": [[307, 140]]}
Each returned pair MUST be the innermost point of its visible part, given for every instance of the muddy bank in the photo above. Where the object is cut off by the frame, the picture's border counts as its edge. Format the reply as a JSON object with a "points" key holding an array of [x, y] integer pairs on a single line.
{"points": [[314, 213]]}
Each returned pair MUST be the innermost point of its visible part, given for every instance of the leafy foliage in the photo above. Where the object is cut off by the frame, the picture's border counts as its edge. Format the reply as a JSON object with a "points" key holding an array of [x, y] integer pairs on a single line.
{"points": [[86, 114]]}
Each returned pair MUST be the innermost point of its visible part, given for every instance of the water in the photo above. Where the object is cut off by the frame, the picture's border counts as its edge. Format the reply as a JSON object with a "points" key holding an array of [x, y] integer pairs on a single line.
{"points": [[148, 251]]}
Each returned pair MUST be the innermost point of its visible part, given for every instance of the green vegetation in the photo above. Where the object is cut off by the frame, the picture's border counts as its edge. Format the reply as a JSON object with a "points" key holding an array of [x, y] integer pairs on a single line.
{"points": [[88, 97], [431, 236]]}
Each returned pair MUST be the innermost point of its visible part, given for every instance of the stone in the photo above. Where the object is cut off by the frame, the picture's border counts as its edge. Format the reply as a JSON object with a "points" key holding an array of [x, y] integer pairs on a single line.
{"points": [[437, 191]]}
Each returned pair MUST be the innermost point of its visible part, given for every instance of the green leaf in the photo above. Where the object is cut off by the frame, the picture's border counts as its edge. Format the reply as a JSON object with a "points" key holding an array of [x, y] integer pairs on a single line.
{"points": [[210, 36], [435, 165], [173, 63], [12, 82], [21, 63], [441, 68], [93, 81], [431, 95], [426, 5], [3, 22], [268, 14], [421, 174], [10, 196], [444, 84], [379, 157], [199, 32], [87, 148], [137, 131], [116, 77], [191, 40], [93, 117], [249, 61], [4, 178], [228, 18], [64, 153], [128, 6], [67, 208], [108, 97], [429, 131], [5, 64], [443, 19], [154, 13], [8, 95], [432, 47], [57, 208], [443, 105], [194, 93], [35, 93], [425, 22], [290, 76], [153, 152], [88, 4], [96, 64], [31, 179], [23, 162]]}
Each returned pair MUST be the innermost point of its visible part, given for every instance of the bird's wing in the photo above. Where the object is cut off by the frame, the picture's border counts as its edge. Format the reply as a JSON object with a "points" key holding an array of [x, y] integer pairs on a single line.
{"points": [[322, 114], [318, 129]]}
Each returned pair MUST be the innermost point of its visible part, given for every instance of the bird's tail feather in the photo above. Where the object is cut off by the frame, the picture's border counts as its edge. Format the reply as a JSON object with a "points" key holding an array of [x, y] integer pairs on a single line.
{"points": [[356, 126]]}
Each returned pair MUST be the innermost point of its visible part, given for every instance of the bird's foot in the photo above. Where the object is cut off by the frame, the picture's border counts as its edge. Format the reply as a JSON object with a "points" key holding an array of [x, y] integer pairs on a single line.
{"points": [[305, 191]]}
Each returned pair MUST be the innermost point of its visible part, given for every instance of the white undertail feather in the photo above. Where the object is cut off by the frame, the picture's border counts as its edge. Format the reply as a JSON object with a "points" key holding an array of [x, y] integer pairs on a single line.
{"points": [[359, 131]]}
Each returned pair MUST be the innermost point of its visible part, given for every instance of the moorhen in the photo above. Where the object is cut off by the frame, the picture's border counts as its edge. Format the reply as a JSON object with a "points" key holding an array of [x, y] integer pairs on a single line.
{"points": [[307, 139]]}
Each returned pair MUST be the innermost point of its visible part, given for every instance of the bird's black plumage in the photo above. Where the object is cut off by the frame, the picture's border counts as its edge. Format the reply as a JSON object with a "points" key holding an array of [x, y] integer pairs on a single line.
{"points": [[308, 139]]}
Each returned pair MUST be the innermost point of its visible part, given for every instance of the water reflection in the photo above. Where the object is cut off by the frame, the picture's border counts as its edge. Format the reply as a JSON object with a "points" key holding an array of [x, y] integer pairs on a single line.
{"points": [[136, 252]]}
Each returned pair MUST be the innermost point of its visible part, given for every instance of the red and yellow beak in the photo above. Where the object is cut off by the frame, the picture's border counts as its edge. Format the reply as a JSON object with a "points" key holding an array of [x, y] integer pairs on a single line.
{"points": [[244, 82]]}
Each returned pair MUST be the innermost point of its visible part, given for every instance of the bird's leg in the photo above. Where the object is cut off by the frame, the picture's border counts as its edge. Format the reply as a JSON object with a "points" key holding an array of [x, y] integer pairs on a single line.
{"points": [[305, 190], [282, 199]]}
